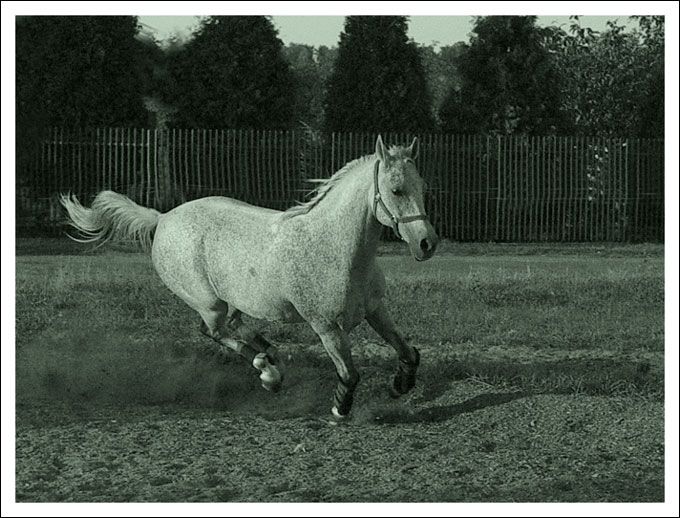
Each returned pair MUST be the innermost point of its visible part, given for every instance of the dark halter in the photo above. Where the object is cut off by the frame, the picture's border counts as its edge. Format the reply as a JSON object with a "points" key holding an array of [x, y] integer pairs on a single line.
{"points": [[377, 199]]}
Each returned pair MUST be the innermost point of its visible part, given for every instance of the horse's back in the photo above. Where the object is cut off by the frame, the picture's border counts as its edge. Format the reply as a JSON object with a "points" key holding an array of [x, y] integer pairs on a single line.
{"points": [[219, 209], [217, 216]]}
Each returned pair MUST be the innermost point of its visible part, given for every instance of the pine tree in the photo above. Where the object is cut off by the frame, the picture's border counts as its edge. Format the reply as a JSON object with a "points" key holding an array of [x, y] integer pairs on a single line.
{"points": [[509, 81], [78, 70], [379, 83], [232, 74]]}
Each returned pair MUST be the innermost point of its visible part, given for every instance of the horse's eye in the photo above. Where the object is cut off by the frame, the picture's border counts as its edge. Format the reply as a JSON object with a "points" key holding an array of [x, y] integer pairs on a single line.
{"points": [[397, 192]]}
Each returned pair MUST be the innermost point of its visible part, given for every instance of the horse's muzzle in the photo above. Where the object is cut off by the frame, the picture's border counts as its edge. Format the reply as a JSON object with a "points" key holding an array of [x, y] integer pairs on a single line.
{"points": [[428, 247], [425, 248]]}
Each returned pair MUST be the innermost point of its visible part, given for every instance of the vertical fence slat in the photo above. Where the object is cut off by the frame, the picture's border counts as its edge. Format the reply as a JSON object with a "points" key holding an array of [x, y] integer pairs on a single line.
{"points": [[647, 202], [157, 168], [146, 144], [277, 166], [529, 166], [477, 189], [502, 186], [212, 156], [598, 193], [257, 159], [614, 188], [487, 154], [516, 194], [563, 178], [585, 193], [254, 177], [605, 189], [557, 194], [622, 179], [172, 154], [231, 139], [499, 188], [636, 178], [541, 179], [569, 195], [60, 160], [446, 185], [550, 194], [224, 190], [219, 162]]}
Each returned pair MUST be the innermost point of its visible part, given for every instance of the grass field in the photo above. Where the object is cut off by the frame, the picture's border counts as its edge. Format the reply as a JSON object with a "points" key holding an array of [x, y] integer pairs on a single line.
{"points": [[542, 380]]}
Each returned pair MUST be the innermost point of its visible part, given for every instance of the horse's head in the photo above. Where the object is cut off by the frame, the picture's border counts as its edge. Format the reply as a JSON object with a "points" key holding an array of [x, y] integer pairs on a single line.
{"points": [[397, 198]]}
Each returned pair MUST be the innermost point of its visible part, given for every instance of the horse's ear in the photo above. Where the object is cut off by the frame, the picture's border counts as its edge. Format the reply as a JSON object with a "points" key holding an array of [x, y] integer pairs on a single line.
{"points": [[380, 150], [414, 145]]}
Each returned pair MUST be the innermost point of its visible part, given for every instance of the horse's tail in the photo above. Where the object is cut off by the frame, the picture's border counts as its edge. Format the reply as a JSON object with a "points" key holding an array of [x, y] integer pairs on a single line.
{"points": [[111, 215]]}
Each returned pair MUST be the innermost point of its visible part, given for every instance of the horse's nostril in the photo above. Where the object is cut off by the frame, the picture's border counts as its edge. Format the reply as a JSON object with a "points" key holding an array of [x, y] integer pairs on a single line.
{"points": [[424, 245]]}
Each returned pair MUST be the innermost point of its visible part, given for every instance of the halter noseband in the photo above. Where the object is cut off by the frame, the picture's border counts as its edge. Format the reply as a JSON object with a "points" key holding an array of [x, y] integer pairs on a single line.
{"points": [[377, 199]]}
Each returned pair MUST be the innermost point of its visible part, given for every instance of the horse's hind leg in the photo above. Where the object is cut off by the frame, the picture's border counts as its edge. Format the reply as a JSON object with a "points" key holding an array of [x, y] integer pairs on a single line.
{"points": [[409, 357], [252, 337], [214, 326]]}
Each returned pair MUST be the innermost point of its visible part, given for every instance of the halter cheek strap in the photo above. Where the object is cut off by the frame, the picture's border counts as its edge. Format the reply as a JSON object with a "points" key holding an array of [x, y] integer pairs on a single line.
{"points": [[377, 199]]}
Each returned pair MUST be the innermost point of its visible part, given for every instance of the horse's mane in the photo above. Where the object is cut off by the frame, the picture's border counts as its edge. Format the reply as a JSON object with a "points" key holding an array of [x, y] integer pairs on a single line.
{"points": [[325, 185]]}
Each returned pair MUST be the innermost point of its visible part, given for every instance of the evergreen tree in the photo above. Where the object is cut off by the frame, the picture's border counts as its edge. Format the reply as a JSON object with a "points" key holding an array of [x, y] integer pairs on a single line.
{"points": [[309, 87], [509, 81], [232, 74], [441, 68], [379, 82], [78, 70]]}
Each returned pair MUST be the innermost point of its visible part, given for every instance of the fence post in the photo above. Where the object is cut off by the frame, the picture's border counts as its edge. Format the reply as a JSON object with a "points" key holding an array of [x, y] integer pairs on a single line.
{"points": [[498, 187]]}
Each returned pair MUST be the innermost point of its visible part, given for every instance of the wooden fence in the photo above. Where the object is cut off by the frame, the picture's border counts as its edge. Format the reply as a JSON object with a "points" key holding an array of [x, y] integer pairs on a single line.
{"points": [[480, 188]]}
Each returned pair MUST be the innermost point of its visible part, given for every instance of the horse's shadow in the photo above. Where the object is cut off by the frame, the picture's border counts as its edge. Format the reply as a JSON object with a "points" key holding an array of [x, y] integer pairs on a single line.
{"points": [[442, 413]]}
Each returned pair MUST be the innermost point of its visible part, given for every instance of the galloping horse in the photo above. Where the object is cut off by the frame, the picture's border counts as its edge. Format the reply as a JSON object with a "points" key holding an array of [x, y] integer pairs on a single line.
{"points": [[314, 262]]}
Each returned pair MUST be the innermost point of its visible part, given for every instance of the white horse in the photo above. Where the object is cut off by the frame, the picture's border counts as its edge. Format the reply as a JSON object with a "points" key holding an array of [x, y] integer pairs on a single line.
{"points": [[314, 262]]}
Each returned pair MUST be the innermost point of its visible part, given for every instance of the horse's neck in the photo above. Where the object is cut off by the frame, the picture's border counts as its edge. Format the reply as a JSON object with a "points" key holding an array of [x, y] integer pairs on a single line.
{"points": [[345, 217]]}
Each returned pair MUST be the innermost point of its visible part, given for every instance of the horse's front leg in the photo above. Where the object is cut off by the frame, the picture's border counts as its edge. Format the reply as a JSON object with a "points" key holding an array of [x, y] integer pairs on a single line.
{"points": [[409, 357], [337, 345]]}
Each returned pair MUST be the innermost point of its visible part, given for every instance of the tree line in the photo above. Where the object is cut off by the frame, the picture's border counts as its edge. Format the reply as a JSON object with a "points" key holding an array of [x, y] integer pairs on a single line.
{"points": [[512, 78]]}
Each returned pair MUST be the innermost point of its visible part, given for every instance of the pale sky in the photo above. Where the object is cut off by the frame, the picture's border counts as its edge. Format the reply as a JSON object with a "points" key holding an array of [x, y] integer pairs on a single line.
{"points": [[325, 30]]}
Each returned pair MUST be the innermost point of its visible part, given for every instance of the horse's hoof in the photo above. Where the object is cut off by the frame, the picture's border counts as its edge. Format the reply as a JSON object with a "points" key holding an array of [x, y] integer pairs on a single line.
{"points": [[271, 379], [270, 376], [401, 386], [271, 387], [394, 393], [337, 415]]}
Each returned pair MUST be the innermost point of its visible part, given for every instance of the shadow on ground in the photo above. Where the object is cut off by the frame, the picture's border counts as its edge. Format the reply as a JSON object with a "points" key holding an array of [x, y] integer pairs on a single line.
{"points": [[445, 412]]}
